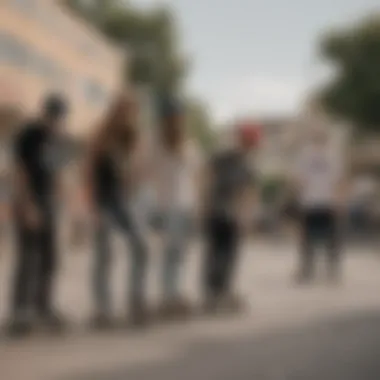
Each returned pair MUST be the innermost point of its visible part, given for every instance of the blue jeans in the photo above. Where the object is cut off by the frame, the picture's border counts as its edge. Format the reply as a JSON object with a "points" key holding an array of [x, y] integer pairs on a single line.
{"points": [[175, 230], [114, 211]]}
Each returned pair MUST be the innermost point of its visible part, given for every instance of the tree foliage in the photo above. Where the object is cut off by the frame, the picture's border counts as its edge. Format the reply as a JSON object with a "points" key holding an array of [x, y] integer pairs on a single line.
{"points": [[151, 39], [354, 93], [199, 122]]}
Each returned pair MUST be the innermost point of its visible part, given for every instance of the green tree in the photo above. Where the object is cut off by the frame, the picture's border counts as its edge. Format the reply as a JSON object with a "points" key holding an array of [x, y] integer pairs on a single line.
{"points": [[150, 37], [354, 93], [200, 124]]}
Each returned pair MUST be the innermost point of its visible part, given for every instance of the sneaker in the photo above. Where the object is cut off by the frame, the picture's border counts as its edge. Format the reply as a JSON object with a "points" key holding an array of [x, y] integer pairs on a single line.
{"points": [[52, 320], [101, 321], [232, 303], [302, 278], [139, 315], [334, 277], [19, 327], [174, 309], [210, 305]]}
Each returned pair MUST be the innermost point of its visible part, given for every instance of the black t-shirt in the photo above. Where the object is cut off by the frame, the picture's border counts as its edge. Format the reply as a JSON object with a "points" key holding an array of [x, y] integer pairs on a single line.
{"points": [[107, 177], [34, 151], [231, 174]]}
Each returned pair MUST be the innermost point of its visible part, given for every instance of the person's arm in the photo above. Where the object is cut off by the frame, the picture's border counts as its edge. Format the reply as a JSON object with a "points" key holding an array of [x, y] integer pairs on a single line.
{"points": [[88, 165], [142, 168], [203, 181], [342, 187], [21, 185], [249, 200]]}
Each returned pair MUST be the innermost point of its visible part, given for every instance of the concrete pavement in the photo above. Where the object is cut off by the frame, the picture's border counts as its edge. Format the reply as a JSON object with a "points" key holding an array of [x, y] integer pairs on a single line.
{"points": [[287, 333]]}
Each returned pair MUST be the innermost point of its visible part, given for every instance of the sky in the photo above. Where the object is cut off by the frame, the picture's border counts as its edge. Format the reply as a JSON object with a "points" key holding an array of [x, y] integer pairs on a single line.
{"points": [[258, 57]]}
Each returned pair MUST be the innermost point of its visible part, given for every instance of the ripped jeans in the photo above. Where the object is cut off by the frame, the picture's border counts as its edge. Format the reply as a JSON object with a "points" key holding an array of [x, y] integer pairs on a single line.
{"points": [[113, 211]]}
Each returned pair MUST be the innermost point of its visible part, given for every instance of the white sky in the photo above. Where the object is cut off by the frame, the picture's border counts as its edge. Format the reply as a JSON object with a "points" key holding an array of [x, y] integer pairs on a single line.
{"points": [[254, 56]]}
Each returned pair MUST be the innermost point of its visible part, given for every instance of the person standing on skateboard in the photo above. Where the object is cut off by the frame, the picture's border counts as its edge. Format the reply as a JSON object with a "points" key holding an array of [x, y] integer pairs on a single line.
{"points": [[36, 173], [228, 196]]}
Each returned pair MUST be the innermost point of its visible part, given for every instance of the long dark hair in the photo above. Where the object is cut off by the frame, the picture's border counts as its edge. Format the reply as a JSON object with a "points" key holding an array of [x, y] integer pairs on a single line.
{"points": [[171, 131], [119, 125]]}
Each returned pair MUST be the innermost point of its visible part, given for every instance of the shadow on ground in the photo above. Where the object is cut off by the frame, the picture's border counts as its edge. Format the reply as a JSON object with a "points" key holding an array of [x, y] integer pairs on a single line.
{"points": [[337, 349]]}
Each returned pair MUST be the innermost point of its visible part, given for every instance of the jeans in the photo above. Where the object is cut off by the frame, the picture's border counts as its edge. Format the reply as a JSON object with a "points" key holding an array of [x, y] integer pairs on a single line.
{"points": [[113, 210], [319, 226], [174, 227], [222, 243], [36, 251]]}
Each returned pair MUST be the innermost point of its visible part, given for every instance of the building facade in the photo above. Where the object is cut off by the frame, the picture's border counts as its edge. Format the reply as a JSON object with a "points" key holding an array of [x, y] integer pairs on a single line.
{"points": [[275, 153], [45, 48]]}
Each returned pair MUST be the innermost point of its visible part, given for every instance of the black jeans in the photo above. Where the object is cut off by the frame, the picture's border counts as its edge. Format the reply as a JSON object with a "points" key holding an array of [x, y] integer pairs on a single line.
{"points": [[36, 263], [319, 227], [222, 240]]}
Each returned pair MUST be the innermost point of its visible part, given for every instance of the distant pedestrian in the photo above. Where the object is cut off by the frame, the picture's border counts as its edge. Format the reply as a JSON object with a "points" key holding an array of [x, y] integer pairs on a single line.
{"points": [[37, 160], [110, 181], [229, 193], [319, 181]]}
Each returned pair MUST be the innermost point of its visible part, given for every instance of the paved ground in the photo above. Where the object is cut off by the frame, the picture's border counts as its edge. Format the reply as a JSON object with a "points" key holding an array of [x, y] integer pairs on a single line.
{"points": [[317, 332]]}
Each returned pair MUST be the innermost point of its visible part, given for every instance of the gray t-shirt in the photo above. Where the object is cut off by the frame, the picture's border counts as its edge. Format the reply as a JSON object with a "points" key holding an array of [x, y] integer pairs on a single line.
{"points": [[231, 174]]}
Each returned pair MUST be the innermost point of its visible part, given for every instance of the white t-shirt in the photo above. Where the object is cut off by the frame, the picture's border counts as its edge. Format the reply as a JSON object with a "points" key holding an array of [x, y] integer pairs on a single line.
{"points": [[319, 172], [174, 180]]}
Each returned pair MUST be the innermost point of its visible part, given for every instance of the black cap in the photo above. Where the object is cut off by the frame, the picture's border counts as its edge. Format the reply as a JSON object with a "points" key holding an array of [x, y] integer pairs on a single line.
{"points": [[55, 105]]}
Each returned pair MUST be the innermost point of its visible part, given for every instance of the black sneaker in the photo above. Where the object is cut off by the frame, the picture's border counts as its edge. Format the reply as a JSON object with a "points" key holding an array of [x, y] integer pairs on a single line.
{"points": [[19, 327], [52, 320]]}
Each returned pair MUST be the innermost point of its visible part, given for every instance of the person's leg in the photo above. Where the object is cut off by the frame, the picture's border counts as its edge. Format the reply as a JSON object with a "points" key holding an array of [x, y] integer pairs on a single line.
{"points": [[333, 244], [101, 270], [230, 256], [138, 249], [24, 278], [216, 261], [212, 245], [174, 250], [307, 248], [47, 270]]}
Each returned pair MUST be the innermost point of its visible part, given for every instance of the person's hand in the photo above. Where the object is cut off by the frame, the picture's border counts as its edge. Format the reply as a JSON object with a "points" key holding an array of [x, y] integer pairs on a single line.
{"points": [[33, 217], [4, 212], [95, 218], [89, 209]]}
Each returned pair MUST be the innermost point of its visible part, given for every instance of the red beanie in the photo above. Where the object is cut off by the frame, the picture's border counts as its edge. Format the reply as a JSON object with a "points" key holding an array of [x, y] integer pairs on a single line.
{"points": [[249, 134]]}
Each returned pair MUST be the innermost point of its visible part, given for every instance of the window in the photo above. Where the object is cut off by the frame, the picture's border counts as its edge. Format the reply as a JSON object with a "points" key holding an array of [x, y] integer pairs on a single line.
{"points": [[3, 52], [13, 51], [45, 67], [88, 49], [25, 5], [64, 78], [93, 92]]}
